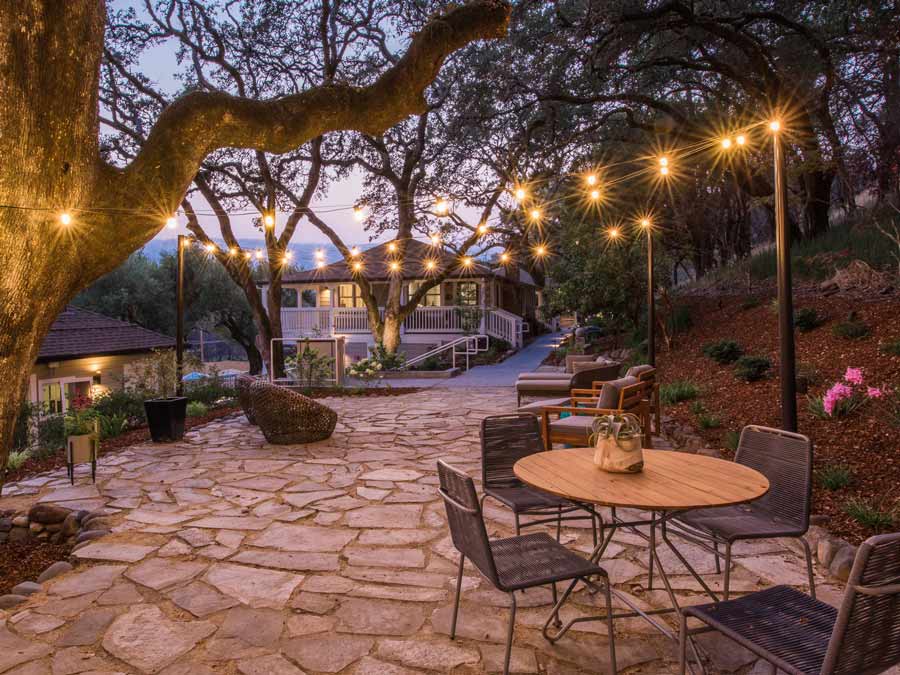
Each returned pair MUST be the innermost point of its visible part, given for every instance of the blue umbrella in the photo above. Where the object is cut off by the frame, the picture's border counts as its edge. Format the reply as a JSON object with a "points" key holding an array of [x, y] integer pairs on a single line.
{"points": [[192, 377]]}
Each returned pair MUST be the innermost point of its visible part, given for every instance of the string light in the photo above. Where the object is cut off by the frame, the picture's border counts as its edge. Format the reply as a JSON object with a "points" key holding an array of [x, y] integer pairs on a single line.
{"points": [[232, 250], [645, 223], [430, 264], [357, 266], [483, 228], [392, 247], [354, 251], [441, 207], [664, 161], [535, 214], [504, 257], [435, 240], [210, 248], [595, 195], [269, 220], [726, 143], [521, 194], [259, 254], [613, 233], [740, 139], [320, 254], [394, 266], [359, 214], [320, 264], [591, 179], [775, 126], [540, 250], [248, 255], [467, 261], [65, 218], [171, 222]]}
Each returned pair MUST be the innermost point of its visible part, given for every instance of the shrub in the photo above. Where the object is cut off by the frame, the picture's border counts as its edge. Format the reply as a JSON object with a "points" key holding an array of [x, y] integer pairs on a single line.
{"points": [[112, 425], [51, 435], [196, 409], [79, 422], [731, 440], [309, 367], [852, 328], [892, 348], [834, 477], [680, 390], [752, 368], [698, 408], [120, 403], [723, 351], [872, 515], [808, 319], [16, 459], [709, 421]]}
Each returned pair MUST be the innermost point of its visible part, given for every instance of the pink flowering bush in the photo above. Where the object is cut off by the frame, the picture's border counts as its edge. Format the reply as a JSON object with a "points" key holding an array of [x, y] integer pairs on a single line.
{"points": [[845, 396]]}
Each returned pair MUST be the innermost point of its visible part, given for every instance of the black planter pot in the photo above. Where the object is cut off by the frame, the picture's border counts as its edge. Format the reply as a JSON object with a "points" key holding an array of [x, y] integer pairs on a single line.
{"points": [[165, 417]]}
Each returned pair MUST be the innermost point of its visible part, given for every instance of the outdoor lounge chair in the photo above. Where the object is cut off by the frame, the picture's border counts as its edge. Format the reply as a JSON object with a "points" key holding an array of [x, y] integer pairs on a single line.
{"points": [[624, 395], [286, 417], [505, 439], [512, 563], [784, 458], [646, 374], [562, 386], [800, 635]]}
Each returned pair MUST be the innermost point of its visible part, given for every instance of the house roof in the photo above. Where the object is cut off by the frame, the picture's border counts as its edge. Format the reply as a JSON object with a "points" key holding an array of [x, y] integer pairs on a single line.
{"points": [[376, 263], [78, 333]]}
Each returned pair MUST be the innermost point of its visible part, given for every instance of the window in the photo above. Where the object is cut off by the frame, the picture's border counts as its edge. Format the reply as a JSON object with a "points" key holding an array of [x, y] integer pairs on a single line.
{"points": [[51, 397], [308, 297], [432, 295], [467, 294], [324, 297], [349, 296], [289, 297]]}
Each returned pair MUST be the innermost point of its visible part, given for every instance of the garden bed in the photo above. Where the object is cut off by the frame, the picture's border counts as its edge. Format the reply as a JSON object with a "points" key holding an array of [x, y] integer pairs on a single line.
{"points": [[862, 446], [26, 560]]}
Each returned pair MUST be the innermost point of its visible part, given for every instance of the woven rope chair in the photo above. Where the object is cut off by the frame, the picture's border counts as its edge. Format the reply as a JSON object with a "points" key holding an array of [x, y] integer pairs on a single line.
{"points": [[286, 417], [242, 386], [505, 439], [785, 459], [514, 563], [800, 635]]}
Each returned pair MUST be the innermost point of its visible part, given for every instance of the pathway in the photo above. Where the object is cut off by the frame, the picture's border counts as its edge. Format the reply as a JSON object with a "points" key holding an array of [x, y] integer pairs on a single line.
{"points": [[229, 555]]}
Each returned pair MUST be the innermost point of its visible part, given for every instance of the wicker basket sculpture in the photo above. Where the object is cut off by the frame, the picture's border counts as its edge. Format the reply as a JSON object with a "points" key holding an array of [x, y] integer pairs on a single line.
{"points": [[242, 385], [286, 417]]}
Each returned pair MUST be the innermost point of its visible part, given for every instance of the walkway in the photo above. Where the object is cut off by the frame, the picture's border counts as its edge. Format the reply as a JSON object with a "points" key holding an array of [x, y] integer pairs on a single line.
{"points": [[229, 555]]}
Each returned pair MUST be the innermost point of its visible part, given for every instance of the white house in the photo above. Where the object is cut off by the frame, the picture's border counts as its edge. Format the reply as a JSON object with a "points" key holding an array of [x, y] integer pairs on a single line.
{"points": [[474, 298]]}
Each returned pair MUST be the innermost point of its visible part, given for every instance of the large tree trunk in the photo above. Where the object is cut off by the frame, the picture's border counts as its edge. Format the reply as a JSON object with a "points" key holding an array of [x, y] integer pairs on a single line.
{"points": [[50, 54]]}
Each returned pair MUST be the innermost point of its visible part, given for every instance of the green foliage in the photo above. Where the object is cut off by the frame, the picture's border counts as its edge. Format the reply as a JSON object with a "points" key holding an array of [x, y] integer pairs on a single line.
{"points": [[731, 439], [723, 351], [892, 348], [373, 367], [120, 403], [752, 368], [16, 459], [677, 391], [209, 391], [816, 406], [834, 477], [80, 422], [51, 436], [698, 408], [196, 409], [853, 328], [871, 514], [112, 425], [708, 421], [388, 360], [808, 319], [153, 376], [309, 367]]}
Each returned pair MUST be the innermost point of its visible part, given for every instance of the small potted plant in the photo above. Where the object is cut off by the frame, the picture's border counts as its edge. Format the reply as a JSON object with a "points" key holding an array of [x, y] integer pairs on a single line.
{"points": [[82, 441], [617, 443]]}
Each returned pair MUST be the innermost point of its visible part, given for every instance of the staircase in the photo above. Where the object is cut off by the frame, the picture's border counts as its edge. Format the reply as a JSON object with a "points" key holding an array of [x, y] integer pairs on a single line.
{"points": [[462, 347]]}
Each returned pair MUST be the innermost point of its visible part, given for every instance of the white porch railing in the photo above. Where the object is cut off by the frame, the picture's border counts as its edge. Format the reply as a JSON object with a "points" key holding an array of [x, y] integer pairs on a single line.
{"points": [[321, 321]]}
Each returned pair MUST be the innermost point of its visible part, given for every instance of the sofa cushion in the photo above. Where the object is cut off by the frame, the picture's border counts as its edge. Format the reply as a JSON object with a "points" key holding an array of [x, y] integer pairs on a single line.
{"points": [[542, 386], [545, 375], [574, 424], [637, 371], [609, 393]]}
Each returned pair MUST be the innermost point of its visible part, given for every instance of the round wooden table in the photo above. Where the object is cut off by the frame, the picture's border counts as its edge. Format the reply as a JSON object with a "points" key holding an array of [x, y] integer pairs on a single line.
{"points": [[670, 483]]}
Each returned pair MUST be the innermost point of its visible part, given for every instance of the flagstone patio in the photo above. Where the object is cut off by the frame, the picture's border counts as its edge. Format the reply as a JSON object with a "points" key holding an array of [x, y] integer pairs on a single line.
{"points": [[229, 555]]}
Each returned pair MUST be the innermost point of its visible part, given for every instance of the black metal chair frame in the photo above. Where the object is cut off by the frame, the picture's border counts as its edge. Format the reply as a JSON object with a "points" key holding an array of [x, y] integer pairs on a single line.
{"points": [[709, 540], [469, 535], [492, 465], [799, 635]]}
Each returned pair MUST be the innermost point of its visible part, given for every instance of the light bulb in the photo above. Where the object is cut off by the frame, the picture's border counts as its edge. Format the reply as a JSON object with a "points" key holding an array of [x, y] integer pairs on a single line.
{"points": [[232, 250], [395, 266], [467, 261], [595, 194], [504, 257], [591, 179], [535, 214], [359, 214], [211, 248], [392, 247], [775, 126], [740, 140], [521, 194], [645, 223], [483, 229], [288, 255], [664, 171], [726, 143], [65, 218], [269, 220], [430, 264], [320, 254], [540, 250], [664, 161], [613, 233], [435, 240], [248, 255], [357, 266], [171, 222], [259, 254], [441, 206], [354, 251], [320, 264]]}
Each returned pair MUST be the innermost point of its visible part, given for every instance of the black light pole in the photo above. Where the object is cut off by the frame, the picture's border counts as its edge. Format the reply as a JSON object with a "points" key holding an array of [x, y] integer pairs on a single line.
{"points": [[787, 357], [651, 299], [179, 316]]}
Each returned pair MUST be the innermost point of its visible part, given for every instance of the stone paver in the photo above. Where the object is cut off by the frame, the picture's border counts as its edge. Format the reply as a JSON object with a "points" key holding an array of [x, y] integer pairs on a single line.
{"points": [[230, 555]]}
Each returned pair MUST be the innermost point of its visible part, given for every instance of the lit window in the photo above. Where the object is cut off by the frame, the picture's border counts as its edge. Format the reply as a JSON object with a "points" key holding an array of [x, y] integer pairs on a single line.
{"points": [[432, 295], [467, 294], [349, 295]]}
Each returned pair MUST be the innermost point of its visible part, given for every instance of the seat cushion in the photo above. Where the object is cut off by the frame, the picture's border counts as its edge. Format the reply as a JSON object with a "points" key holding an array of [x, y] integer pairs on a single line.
{"points": [[536, 560], [780, 620], [545, 375], [610, 391], [536, 407], [574, 425], [542, 386]]}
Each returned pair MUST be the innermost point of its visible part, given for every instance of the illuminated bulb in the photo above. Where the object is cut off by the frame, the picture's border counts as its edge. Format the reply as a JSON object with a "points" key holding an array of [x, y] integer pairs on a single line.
{"points": [[320, 264], [535, 214], [211, 248], [504, 257], [288, 255], [613, 233], [483, 229], [259, 254], [740, 140], [591, 179], [441, 206], [171, 223], [395, 266], [540, 251], [435, 239], [664, 170], [521, 194], [320, 254], [595, 194], [248, 255], [269, 220], [232, 250], [357, 266], [645, 223], [774, 126], [429, 264], [726, 143], [467, 261], [65, 218], [664, 161], [359, 214], [392, 247], [354, 251]]}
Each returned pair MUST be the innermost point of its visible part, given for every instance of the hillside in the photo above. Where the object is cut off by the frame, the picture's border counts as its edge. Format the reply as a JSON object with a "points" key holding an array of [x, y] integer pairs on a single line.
{"points": [[862, 447]]}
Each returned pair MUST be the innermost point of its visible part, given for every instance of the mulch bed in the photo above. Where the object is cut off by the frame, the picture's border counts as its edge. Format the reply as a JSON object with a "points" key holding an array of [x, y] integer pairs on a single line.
{"points": [[866, 442], [24, 561]]}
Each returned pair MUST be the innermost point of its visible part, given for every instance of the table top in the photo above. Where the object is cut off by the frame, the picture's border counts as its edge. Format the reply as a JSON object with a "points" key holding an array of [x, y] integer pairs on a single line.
{"points": [[670, 481]]}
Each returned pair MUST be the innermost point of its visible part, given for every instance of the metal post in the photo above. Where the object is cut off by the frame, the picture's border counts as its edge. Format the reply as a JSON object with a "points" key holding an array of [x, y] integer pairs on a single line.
{"points": [[785, 294], [179, 316], [651, 303]]}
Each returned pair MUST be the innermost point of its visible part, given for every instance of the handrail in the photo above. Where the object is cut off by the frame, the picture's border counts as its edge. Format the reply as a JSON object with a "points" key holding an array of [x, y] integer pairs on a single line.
{"points": [[472, 346]]}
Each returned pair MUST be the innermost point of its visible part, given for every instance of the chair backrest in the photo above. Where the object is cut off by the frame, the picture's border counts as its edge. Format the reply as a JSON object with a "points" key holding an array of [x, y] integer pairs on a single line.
{"points": [[866, 635], [584, 379], [464, 517], [643, 372], [784, 458], [620, 394], [505, 439]]}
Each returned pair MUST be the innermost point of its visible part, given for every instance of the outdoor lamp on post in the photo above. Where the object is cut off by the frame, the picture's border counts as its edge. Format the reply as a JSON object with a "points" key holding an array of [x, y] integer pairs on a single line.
{"points": [[179, 316], [647, 227], [787, 356]]}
